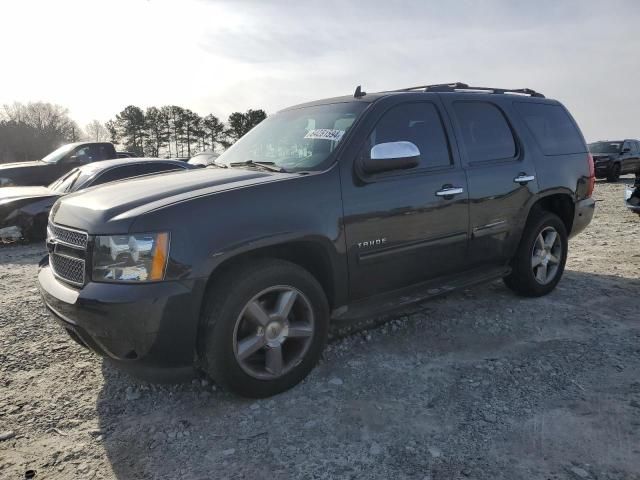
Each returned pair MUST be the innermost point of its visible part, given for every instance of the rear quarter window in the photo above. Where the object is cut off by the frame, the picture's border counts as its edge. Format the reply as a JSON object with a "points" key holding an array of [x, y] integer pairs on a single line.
{"points": [[552, 127], [485, 132]]}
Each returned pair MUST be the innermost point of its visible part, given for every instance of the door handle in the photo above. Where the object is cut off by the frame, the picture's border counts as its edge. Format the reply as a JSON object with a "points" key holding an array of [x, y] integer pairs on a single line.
{"points": [[449, 191], [523, 179]]}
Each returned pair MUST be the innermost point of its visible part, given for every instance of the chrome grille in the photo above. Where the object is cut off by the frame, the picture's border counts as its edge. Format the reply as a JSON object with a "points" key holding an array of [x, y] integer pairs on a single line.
{"points": [[68, 268], [70, 237], [67, 253]]}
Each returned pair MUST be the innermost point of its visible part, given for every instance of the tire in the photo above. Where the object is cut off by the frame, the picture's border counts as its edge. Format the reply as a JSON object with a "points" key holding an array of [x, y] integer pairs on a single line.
{"points": [[36, 231], [614, 173], [526, 279], [238, 345]]}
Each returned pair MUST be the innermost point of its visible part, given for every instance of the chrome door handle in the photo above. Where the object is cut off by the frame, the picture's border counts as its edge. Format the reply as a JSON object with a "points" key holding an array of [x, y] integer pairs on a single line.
{"points": [[523, 179], [450, 191]]}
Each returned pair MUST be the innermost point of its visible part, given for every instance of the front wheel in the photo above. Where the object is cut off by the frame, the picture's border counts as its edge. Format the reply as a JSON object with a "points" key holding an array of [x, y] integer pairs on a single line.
{"points": [[264, 328], [539, 262]]}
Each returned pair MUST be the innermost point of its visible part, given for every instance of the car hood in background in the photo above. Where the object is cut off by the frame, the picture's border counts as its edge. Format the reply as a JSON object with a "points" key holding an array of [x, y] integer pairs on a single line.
{"points": [[22, 164], [14, 193], [112, 207], [32, 173]]}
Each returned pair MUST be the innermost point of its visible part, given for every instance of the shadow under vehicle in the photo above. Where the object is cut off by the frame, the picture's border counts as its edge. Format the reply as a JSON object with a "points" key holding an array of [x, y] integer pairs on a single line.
{"points": [[24, 210]]}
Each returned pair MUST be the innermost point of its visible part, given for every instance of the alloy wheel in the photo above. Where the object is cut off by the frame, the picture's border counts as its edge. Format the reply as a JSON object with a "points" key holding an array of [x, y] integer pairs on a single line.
{"points": [[273, 332], [546, 255]]}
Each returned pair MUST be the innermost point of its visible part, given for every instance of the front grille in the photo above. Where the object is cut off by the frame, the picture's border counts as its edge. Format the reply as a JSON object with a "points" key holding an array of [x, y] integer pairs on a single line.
{"points": [[67, 253], [68, 236], [68, 268]]}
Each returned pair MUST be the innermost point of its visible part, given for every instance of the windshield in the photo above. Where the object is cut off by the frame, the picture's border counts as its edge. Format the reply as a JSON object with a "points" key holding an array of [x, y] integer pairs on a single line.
{"points": [[56, 155], [605, 147], [296, 140], [203, 159], [70, 181]]}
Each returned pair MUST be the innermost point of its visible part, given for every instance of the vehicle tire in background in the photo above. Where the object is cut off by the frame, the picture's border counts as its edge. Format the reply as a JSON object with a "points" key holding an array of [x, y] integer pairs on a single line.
{"points": [[614, 173], [541, 256], [263, 328]]}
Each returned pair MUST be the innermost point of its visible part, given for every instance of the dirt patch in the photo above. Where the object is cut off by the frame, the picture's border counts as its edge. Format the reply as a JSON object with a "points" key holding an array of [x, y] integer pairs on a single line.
{"points": [[479, 384]]}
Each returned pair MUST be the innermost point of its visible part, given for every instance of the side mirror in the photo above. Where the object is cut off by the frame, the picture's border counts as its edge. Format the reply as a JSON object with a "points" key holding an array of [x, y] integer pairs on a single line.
{"points": [[626, 150], [389, 156]]}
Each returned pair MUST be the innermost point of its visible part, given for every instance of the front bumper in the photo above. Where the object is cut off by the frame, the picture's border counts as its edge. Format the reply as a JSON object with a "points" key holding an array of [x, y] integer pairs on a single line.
{"points": [[149, 329], [583, 213]]}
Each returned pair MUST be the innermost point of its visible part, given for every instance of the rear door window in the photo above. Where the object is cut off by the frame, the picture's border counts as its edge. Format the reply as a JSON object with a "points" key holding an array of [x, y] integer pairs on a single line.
{"points": [[420, 124], [553, 129], [486, 135]]}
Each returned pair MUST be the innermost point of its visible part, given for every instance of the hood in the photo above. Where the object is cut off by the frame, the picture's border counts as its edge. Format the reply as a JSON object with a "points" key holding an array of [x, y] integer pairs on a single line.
{"points": [[14, 193], [35, 163], [33, 173], [112, 207]]}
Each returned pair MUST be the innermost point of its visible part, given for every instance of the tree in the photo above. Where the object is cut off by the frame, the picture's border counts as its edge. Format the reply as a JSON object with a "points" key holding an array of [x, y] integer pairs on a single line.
{"points": [[213, 131], [157, 133], [30, 131], [112, 128], [96, 131], [175, 125], [131, 127], [191, 122], [241, 123]]}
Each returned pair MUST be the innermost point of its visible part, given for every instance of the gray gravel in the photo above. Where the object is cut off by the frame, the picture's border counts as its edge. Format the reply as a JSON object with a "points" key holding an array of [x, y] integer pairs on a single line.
{"points": [[479, 384]]}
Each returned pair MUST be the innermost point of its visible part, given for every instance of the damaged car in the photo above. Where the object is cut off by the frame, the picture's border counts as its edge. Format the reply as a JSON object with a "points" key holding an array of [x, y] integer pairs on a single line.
{"points": [[24, 210]]}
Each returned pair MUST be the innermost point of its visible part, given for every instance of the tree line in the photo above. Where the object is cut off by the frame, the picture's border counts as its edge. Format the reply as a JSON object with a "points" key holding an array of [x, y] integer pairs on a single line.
{"points": [[173, 131], [30, 131]]}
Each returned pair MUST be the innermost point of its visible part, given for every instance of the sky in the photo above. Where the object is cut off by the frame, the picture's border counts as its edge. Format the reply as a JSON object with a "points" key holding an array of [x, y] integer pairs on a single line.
{"points": [[97, 56]]}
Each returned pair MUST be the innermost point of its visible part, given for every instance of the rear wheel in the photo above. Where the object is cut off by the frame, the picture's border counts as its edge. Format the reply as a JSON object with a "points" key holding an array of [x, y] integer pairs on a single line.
{"points": [[539, 262], [614, 173], [264, 328]]}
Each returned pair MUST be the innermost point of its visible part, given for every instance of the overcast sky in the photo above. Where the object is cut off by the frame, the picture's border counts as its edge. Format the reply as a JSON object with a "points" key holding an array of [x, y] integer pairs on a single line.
{"points": [[97, 56]]}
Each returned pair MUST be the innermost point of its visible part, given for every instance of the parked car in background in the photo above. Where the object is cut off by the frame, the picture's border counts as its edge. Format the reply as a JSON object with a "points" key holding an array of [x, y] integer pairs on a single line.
{"points": [[56, 164], [127, 155], [613, 158], [24, 210], [204, 159], [333, 210]]}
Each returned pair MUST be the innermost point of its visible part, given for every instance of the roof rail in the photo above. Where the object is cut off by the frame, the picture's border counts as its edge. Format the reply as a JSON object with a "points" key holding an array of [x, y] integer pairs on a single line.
{"points": [[459, 86]]}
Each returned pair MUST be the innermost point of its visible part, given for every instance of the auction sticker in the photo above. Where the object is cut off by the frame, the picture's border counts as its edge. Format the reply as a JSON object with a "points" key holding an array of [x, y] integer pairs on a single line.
{"points": [[325, 134]]}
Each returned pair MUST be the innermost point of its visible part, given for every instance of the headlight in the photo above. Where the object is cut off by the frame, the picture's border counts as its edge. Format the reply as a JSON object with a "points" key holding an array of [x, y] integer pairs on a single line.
{"points": [[130, 258]]}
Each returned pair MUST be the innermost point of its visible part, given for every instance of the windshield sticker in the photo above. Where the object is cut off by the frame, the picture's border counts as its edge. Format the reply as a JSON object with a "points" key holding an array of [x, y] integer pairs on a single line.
{"points": [[325, 134]]}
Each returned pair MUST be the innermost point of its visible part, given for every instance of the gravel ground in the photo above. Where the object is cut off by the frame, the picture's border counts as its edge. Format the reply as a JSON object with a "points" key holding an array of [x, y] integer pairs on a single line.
{"points": [[478, 384]]}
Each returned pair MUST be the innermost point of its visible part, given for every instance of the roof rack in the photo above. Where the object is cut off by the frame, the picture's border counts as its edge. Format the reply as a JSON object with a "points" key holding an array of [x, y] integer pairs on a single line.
{"points": [[458, 86]]}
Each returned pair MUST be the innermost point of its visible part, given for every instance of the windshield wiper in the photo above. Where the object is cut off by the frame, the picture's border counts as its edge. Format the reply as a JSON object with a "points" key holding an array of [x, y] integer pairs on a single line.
{"points": [[271, 166]]}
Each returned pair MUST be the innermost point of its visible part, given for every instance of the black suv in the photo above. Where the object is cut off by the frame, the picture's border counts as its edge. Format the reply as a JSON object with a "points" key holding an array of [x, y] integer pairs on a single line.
{"points": [[615, 158], [328, 211]]}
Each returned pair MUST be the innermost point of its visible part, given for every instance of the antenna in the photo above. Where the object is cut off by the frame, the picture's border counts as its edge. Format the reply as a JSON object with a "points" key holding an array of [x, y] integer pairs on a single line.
{"points": [[359, 93]]}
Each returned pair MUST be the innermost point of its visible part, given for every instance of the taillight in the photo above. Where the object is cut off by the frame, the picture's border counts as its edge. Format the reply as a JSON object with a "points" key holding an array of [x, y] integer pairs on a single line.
{"points": [[592, 176]]}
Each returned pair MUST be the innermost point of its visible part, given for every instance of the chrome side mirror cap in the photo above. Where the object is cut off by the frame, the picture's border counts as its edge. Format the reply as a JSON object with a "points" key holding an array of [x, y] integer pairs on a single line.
{"points": [[389, 156]]}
